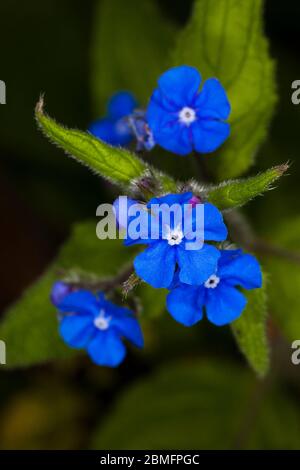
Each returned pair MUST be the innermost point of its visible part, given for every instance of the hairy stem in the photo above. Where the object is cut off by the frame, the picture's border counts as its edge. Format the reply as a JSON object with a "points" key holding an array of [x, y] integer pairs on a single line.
{"points": [[241, 233], [94, 284]]}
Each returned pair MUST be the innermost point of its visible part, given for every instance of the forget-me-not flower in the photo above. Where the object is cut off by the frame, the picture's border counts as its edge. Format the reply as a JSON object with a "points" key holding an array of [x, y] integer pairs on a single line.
{"points": [[184, 119], [93, 323], [222, 301], [168, 249]]}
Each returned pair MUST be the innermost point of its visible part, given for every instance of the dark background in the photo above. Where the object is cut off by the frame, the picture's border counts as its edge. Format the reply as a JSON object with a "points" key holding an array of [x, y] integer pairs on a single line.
{"points": [[45, 47]]}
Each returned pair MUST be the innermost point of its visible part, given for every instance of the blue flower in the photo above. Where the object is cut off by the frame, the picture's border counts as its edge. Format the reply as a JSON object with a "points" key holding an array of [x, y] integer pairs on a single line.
{"points": [[168, 244], [222, 301], [97, 325], [183, 119], [115, 128]]}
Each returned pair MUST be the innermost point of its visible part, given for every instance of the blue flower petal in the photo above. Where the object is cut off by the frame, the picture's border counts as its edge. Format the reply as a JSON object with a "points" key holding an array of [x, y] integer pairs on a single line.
{"points": [[168, 211], [197, 265], [167, 131], [158, 117], [111, 131], [171, 199], [77, 330], [107, 305], [121, 104], [184, 304], [224, 304], [128, 327], [214, 227], [209, 134], [162, 101], [122, 320], [243, 270], [106, 349], [81, 301], [156, 265], [176, 139], [180, 85], [212, 101], [229, 255]]}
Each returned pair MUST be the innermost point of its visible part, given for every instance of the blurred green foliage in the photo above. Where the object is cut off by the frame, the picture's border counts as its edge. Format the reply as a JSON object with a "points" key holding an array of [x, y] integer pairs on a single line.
{"points": [[201, 405], [284, 298], [129, 45], [250, 330]]}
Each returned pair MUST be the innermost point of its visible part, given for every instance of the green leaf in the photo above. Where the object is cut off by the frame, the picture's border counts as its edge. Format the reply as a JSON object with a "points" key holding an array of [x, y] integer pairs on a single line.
{"points": [[225, 40], [201, 405], [113, 163], [238, 192], [129, 49], [284, 272], [116, 164], [250, 331], [29, 328]]}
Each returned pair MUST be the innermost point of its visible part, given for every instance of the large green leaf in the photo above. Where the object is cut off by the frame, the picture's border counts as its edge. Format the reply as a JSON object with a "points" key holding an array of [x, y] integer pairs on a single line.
{"points": [[225, 40], [250, 331], [284, 273], [29, 328], [129, 49], [200, 405], [236, 193]]}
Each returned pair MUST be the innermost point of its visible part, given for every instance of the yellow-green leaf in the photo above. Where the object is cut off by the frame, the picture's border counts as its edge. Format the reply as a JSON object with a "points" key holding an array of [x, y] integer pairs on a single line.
{"points": [[116, 164], [250, 331], [236, 193]]}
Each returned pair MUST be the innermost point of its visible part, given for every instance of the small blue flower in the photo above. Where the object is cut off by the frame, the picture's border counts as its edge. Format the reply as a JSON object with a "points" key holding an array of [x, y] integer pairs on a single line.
{"points": [[222, 301], [168, 249], [93, 323], [183, 119], [114, 128]]}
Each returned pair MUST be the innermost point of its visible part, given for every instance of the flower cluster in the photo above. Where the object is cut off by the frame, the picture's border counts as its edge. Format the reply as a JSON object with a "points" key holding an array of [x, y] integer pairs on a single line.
{"points": [[179, 117], [181, 232]]}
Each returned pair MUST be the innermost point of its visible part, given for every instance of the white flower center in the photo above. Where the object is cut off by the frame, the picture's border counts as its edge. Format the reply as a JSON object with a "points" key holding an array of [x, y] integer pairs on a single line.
{"points": [[212, 282], [101, 321], [174, 236], [187, 115]]}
